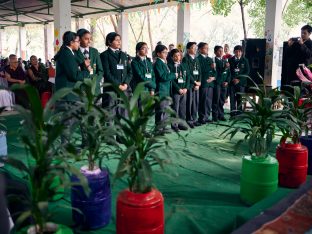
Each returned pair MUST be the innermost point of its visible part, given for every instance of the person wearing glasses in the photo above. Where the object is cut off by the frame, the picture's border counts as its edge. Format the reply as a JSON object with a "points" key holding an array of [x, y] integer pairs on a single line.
{"points": [[16, 75], [68, 73], [68, 70], [142, 69], [87, 52]]}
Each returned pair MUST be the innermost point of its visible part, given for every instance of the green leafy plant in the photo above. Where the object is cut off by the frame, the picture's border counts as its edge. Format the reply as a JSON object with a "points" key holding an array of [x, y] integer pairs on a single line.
{"points": [[93, 122], [40, 130], [259, 125], [142, 142], [300, 114]]}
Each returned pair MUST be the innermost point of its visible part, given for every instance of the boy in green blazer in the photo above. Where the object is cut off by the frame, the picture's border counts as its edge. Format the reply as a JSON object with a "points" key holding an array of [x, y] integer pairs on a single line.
{"points": [[142, 69], [87, 52], [239, 67], [163, 85], [179, 87], [193, 68], [207, 83], [223, 77], [117, 71]]}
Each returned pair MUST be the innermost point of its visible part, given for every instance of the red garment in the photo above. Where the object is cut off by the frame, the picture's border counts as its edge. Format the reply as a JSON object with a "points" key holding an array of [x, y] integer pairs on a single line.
{"points": [[227, 56]]}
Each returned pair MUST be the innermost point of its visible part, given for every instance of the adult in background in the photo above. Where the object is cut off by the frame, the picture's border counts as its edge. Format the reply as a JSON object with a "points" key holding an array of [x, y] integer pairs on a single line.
{"points": [[87, 52], [38, 76], [16, 75], [227, 54], [299, 51]]}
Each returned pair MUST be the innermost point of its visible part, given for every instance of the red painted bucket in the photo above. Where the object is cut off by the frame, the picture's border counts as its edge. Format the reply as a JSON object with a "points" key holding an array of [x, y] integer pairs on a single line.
{"points": [[293, 164], [139, 213], [45, 97]]}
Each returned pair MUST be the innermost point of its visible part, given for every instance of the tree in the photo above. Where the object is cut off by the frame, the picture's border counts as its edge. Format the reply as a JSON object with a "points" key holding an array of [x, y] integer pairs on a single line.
{"points": [[223, 7], [298, 11]]}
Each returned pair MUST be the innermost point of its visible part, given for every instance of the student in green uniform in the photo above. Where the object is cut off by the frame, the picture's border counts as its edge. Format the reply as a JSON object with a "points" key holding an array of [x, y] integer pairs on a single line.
{"points": [[223, 76], [87, 52], [163, 85], [117, 71], [68, 72], [179, 87], [193, 68], [207, 83], [142, 69], [239, 67]]}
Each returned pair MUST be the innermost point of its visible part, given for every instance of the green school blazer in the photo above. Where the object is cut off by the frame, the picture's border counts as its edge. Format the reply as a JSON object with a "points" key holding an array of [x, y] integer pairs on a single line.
{"points": [[206, 71], [68, 71], [113, 74], [163, 78], [238, 68], [223, 74], [142, 71], [191, 66], [184, 78], [95, 63]]}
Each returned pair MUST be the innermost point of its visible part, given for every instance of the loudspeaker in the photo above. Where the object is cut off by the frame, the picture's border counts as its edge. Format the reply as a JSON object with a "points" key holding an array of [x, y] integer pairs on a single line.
{"points": [[255, 50]]}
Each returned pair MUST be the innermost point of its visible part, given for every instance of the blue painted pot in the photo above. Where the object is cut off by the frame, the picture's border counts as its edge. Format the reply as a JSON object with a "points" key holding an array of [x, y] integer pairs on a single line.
{"points": [[307, 142], [95, 209]]}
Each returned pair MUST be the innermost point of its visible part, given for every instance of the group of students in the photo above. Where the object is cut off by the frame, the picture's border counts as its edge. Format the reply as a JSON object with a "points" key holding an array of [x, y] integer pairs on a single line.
{"points": [[197, 84]]}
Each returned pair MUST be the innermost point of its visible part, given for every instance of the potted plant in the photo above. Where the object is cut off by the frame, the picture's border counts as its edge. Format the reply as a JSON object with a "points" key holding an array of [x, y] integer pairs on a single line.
{"points": [[39, 132], [140, 208], [95, 208], [293, 156], [259, 176]]}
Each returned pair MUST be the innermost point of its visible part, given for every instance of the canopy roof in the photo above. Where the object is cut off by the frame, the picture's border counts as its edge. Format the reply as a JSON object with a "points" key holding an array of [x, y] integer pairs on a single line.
{"points": [[17, 12]]}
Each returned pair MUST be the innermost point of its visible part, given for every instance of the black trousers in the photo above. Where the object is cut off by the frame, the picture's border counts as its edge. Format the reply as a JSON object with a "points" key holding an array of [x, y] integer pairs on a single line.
{"points": [[192, 105], [179, 106], [111, 103], [236, 99], [219, 97], [161, 115], [205, 103]]}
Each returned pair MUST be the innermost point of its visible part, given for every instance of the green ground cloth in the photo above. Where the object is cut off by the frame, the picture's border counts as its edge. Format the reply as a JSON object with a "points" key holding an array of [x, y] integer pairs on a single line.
{"points": [[200, 186]]}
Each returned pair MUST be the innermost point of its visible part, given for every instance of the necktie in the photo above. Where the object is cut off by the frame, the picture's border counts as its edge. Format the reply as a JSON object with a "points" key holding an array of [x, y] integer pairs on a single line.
{"points": [[86, 54]]}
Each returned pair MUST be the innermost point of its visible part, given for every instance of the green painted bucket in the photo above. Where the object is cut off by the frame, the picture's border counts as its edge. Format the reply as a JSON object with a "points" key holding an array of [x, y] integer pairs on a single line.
{"points": [[259, 178]]}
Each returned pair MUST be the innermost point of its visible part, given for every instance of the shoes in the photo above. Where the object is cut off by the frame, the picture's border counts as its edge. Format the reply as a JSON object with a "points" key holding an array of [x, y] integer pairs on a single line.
{"points": [[182, 127], [175, 128], [191, 124], [197, 124], [209, 121], [222, 119], [202, 122], [215, 120]]}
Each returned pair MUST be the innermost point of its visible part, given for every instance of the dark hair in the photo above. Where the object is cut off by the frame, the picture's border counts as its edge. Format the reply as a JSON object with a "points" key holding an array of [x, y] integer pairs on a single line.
{"points": [[68, 37], [217, 47], [238, 47], [12, 56], [190, 44], [139, 46], [110, 38], [82, 31], [173, 52], [201, 45], [32, 57], [171, 44], [160, 48], [307, 27]]}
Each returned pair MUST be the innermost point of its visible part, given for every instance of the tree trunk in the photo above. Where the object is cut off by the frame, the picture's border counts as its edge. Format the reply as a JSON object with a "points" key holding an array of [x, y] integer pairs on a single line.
{"points": [[241, 4], [114, 23], [149, 29]]}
